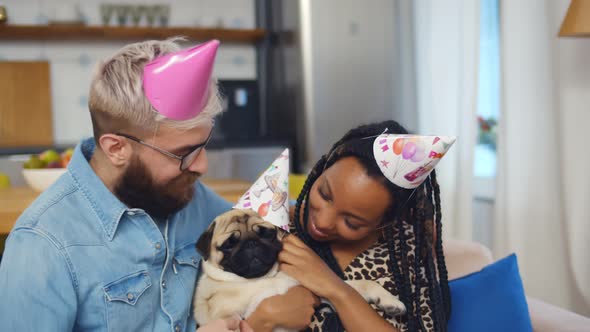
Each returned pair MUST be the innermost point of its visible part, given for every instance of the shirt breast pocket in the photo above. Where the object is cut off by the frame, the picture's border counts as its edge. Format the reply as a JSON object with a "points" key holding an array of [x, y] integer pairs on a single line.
{"points": [[187, 261], [127, 308]]}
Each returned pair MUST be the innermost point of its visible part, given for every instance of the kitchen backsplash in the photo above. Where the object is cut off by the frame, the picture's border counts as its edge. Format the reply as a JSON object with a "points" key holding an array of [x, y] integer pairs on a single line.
{"points": [[243, 163]]}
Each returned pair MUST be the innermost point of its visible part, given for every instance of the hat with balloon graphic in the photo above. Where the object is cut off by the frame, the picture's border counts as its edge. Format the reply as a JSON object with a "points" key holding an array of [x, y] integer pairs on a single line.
{"points": [[177, 84], [406, 160], [269, 194]]}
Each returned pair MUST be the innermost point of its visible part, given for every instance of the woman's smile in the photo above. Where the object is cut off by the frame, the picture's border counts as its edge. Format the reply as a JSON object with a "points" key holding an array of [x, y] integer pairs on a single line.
{"points": [[314, 232]]}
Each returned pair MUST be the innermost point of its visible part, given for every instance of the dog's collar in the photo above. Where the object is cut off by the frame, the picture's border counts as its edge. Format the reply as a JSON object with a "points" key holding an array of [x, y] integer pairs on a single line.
{"points": [[218, 274]]}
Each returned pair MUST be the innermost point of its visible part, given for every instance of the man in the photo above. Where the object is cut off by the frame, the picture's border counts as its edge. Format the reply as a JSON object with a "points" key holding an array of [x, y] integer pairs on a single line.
{"points": [[111, 245]]}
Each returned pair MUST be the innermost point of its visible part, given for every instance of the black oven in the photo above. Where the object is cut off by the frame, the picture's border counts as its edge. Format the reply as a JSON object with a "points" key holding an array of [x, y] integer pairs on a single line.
{"points": [[240, 121]]}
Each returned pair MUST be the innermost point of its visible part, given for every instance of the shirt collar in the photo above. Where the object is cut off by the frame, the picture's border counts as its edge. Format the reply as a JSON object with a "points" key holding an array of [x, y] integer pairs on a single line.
{"points": [[107, 207]]}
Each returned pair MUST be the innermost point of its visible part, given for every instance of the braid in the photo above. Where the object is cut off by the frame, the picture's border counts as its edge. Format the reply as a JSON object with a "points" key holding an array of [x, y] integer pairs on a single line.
{"points": [[303, 197], [433, 285], [430, 236], [407, 285], [398, 274], [331, 260], [433, 292], [440, 256], [418, 224]]}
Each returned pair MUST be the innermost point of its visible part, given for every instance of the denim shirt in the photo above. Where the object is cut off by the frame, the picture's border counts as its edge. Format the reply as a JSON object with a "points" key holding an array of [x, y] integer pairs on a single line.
{"points": [[78, 259]]}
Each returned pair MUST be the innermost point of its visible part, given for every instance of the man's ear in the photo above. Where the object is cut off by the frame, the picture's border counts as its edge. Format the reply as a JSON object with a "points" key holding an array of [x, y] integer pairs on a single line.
{"points": [[204, 242], [116, 148]]}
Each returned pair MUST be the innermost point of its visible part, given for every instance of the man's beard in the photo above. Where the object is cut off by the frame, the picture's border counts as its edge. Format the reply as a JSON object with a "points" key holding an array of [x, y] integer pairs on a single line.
{"points": [[136, 189]]}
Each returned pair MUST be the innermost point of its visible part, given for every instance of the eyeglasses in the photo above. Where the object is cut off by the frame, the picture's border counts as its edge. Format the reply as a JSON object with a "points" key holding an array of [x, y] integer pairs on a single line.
{"points": [[185, 160]]}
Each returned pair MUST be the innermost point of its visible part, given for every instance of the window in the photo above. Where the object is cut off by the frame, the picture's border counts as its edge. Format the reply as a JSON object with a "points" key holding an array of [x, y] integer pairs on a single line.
{"points": [[488, 110], [488, 107]]}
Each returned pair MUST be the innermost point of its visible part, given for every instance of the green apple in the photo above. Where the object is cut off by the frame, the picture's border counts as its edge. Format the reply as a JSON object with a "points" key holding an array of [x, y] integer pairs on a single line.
{"points": [[4, 181], [50, 156], [34, 162]]}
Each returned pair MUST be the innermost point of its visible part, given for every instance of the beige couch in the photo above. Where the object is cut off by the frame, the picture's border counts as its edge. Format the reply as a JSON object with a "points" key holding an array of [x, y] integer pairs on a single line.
{"points": [[463, 258]]}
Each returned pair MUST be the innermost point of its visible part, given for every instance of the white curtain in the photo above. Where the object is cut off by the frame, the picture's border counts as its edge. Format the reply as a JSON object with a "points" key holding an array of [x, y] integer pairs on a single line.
{"points": [[446, 37], [542, 210], [573, 63]]}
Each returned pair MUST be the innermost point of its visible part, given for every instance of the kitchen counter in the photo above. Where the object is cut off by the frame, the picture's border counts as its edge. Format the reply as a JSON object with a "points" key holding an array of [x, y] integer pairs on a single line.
{"points": [[14, 201]]}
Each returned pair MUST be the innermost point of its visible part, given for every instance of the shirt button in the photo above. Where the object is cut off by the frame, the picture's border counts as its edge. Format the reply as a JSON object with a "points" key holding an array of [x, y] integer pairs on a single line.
{"points": [[194, 260], [163, 283], [131, 213], [158, 246], [177, 328], [130, 296]]}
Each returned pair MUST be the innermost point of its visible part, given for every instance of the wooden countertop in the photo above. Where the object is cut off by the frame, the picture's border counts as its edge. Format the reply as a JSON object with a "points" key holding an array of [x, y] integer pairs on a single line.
{"points": [[14, 201]]}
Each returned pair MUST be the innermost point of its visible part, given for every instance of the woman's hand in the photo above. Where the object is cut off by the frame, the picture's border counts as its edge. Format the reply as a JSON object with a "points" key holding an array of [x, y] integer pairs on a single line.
{"points": [[303, 264], [226, 325], [292, 310]]}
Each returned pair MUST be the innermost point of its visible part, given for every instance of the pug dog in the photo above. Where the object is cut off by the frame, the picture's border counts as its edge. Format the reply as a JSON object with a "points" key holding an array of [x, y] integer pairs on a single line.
{"points": [[240, 269]]}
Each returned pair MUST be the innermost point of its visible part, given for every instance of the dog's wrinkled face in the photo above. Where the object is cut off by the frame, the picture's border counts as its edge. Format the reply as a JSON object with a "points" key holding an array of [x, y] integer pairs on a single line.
{"points": [[241, 242]]}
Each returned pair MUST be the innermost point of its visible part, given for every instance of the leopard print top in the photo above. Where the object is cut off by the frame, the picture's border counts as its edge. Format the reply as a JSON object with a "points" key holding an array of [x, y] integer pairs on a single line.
{"points": [[373, 264]]}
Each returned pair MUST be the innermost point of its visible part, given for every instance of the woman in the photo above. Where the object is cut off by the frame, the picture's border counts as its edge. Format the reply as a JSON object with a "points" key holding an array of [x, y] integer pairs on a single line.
{"points": [[349, 218]]}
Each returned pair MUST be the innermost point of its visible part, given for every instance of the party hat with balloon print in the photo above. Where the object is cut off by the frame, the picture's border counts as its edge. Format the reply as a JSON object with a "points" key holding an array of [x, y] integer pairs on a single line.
{"points": [[177, 84], [406, 160], [269, 194]]}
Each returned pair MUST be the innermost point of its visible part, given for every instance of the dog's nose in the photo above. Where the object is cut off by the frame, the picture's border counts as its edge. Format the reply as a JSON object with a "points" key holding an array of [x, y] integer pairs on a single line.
{"points": [[250, 244]]}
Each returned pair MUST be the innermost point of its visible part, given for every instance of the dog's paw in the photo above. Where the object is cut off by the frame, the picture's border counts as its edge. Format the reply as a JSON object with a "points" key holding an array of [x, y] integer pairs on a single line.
{"points": [[386, 301], [390, 304], [376, 294]]}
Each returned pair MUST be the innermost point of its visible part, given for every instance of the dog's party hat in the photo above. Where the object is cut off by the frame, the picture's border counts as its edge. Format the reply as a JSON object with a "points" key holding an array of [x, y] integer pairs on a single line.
{"points": [[177, 84], [269, 194], [406, 160]]}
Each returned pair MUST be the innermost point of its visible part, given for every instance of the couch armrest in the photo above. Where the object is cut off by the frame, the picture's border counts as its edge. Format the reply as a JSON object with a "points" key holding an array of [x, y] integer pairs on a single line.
{"points": [[548, 318], [465, 257]]}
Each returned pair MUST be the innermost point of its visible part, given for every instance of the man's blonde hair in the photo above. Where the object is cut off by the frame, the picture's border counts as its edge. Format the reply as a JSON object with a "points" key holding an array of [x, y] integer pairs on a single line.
{"points": [[117, 101]]}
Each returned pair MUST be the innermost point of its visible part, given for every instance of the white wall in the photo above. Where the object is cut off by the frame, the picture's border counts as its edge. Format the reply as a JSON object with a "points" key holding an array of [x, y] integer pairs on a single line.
{"points": [[71, 63]]}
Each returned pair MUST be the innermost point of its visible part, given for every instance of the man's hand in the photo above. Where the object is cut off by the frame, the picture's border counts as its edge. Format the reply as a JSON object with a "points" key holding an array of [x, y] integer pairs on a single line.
{"points": [[292, 310], [226, 325]]}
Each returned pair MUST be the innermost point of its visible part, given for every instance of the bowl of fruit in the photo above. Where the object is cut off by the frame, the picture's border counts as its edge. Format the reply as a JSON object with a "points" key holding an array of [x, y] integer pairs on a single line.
{"points": [[42, 170]]}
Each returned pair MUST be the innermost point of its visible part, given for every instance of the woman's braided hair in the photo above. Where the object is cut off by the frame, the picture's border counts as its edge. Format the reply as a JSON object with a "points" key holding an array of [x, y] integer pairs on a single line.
{"points": [[413, 213]]}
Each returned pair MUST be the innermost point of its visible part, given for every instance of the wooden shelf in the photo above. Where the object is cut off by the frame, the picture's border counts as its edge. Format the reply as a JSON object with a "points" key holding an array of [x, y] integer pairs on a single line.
{"points": [[99, 33]]}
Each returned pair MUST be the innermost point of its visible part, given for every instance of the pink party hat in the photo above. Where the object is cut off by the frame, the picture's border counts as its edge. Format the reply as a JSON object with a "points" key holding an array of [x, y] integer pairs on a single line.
{"points": [[177, 84], [269, 194], [406, 160]]}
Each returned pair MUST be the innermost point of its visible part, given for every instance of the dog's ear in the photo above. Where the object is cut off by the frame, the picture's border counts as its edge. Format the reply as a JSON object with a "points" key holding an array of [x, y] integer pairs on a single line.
{"points": [[204, 242], [281, 233]]}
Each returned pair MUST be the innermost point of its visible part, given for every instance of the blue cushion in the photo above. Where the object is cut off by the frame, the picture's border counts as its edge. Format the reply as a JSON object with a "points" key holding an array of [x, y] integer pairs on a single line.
{"points": [[492, 299]]}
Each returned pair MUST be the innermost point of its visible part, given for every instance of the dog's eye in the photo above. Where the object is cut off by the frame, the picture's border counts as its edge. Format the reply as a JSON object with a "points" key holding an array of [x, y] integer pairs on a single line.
{"points": [[266, 233], [230, 242]]}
